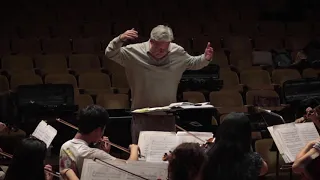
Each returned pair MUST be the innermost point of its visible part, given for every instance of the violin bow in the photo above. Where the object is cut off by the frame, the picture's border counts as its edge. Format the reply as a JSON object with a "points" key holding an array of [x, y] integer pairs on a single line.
{"points": [[76, 128], [56, 174], [178, 127]]}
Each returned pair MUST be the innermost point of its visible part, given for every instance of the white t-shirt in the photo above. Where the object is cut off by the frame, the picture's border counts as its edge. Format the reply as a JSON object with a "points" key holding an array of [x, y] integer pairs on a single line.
{"points": [[73, 153]]}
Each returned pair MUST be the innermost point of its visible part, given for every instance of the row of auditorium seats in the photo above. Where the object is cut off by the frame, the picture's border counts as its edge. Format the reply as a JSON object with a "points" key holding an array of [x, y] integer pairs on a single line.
{"points": [[89, 63], [242, 44], [194, 28]]}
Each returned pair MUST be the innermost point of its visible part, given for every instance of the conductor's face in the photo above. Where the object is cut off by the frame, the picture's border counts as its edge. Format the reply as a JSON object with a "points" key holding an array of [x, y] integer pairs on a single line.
{"points": [[159, 49]]}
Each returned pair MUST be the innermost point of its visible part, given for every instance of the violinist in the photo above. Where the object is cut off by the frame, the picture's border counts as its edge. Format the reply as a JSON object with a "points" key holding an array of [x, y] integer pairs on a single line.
{"points": [[231, 156], [10, 137], [92, 121], [28, 161], [186, 162]]}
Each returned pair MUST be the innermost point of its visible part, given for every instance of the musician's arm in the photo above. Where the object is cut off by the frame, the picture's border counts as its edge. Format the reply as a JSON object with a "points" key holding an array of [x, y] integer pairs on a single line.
{"points": [[300, 163], [264, 168], [306, 149]]}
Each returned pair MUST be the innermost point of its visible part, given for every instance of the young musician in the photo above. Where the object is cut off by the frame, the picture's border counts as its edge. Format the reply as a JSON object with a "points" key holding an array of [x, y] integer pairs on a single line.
{"points": [[186, 162], [10, 138], [231, 156], [28, 161], [91, 123], [305, 156]]}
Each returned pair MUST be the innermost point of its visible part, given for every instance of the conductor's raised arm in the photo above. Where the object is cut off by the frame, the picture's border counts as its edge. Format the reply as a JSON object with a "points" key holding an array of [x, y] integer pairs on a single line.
{"points": [[115, 51]]}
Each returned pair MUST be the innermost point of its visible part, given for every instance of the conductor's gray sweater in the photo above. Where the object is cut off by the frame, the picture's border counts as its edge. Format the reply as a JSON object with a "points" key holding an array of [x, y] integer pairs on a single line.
{"points": [[153, 82]]}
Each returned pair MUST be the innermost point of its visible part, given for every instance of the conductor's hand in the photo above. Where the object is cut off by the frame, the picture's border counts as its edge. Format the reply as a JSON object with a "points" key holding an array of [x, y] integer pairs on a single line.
{"points": [[129, 34], [208, 53]]}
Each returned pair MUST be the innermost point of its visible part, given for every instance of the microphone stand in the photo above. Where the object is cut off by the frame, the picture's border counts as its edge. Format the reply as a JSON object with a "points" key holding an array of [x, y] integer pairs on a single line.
{"points": [[108, 164]]}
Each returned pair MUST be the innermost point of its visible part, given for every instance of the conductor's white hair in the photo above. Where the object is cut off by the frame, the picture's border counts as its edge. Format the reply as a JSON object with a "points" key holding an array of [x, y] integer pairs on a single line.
{"points": [[162, 33]]}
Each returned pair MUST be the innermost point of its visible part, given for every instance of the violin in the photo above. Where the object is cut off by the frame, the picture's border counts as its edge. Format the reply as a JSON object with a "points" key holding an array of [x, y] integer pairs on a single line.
{"points": [[205, 146]]}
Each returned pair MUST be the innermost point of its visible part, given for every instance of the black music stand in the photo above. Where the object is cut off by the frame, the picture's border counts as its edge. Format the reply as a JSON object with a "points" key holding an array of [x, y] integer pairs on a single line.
{"points": [[272, 119]]}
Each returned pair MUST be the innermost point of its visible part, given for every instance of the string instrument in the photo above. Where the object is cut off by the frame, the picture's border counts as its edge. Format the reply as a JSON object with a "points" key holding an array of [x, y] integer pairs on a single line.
{"points": [[112, 144], [206, 144], [55, 174]]}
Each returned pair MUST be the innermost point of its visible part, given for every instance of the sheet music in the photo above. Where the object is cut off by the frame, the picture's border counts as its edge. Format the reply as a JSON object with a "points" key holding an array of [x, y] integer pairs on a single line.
{"points": [[277, 141], [149, 170], [308, 131], [292, 140], [92, 170], [185, 137], [158, 145], [96, 170], [144, 140], [45, 132]]}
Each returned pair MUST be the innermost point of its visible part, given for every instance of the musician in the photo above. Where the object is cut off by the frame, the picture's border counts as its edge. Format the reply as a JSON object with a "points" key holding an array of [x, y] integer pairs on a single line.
{"points": [[312, 115], [305, 156], [92, 122], [154, 69], [10, 137], [28, 161], [231, 156], [186, 162]]}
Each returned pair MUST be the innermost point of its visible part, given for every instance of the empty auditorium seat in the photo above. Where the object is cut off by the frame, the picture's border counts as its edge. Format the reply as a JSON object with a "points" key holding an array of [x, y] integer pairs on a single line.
{"points": [[272, 28], [262, 58], [256, 79], [268, 43], [310, 73], [51, 63], [200, 43], [279, 76], [61, 79], [95, 83], [193, 97], [227, 101], [66, 30], [34, 31], [86, 45], [244, 28], [217, 29], [82, 63], [17, 63], [24, 79], [5, 46], [264, 98], [230, 81], [83, 100], [298, 28], [113, 101], [237, 43], [220, 58], [28, 46], [97, 29], [56, 46], [297, 43]]}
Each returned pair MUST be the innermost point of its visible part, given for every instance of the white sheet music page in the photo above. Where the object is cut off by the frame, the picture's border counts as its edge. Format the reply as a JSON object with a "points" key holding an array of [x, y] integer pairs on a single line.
{"points": [[308, 131], [92, 170], [158, 144], [185, 137], [277, 141], [144, 140], [148, 170], [45, 132], [291, 139]]}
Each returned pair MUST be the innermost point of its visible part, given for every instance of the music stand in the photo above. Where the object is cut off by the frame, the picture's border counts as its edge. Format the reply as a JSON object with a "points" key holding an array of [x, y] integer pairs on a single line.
{"points": [[272, 119]]}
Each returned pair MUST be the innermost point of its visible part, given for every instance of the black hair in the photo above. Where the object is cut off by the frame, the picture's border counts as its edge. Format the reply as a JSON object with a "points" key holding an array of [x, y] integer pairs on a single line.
{"points": [[91, 118], [232, 143], [186, 161], [28, 160]]}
